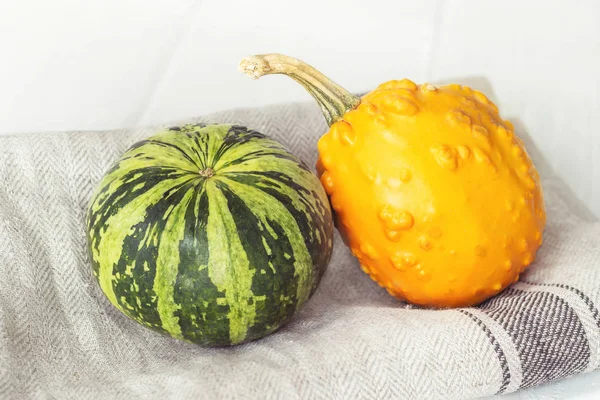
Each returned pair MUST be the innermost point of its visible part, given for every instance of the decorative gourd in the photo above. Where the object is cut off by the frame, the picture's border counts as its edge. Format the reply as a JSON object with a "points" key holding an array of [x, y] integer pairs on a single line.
{"points": [[213, 234], [431, 189]]}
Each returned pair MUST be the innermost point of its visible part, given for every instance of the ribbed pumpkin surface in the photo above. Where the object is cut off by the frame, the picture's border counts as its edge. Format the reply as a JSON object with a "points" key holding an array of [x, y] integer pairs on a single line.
{"points": [[211, 234]]}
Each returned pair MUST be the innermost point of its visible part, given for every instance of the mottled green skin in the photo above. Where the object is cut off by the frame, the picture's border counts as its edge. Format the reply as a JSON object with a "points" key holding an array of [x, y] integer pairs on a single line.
{"points": [[216, 260]]}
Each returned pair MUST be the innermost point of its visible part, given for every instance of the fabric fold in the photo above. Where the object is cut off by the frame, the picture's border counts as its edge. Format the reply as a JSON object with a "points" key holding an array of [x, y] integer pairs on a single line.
{"points": [[61, 338]]}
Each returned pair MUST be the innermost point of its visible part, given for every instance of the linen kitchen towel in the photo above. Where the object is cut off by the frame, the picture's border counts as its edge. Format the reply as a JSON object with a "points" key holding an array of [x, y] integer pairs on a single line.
{"points": [[60, 338]]}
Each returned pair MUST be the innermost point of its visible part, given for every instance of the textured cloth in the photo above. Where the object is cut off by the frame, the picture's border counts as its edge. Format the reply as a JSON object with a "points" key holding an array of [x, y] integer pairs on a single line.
{"points": [[61, 338]]}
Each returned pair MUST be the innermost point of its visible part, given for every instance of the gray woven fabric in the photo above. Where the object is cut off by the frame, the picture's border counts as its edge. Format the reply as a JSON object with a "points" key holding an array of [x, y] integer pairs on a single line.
{"points": [[60, 338]]}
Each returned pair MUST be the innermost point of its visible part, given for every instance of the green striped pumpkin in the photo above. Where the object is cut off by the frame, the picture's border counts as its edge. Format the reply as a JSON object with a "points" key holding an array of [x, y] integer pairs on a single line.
{"points": [[215, 235]]}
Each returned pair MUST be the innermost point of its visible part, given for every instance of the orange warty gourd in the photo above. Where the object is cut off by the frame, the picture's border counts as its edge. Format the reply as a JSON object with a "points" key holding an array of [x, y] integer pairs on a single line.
{"points": [[432, 190]]}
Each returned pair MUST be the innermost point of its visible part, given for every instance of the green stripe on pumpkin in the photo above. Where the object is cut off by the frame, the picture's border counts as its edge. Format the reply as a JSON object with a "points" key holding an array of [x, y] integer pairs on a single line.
{"points": [[218, 260], [228, 265], [116, 229], [200, 320], [167, 264], [266, 209]]}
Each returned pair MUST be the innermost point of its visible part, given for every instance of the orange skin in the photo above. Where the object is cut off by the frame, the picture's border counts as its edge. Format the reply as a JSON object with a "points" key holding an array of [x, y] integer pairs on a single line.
{"points": [[433, 193], [432, 190]]}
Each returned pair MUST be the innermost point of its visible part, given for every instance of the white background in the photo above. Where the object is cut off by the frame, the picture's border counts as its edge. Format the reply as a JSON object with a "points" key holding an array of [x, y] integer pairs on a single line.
{"points": [[77, 65], [80, 65]]}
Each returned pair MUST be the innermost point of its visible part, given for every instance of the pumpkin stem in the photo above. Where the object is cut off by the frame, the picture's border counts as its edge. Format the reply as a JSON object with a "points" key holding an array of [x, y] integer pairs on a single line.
{"points": [[334, 100], [207, 173]]}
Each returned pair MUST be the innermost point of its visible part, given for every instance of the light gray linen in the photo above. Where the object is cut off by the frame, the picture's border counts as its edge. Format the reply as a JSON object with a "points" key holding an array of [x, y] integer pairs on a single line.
{"points": [[61, 339]]}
